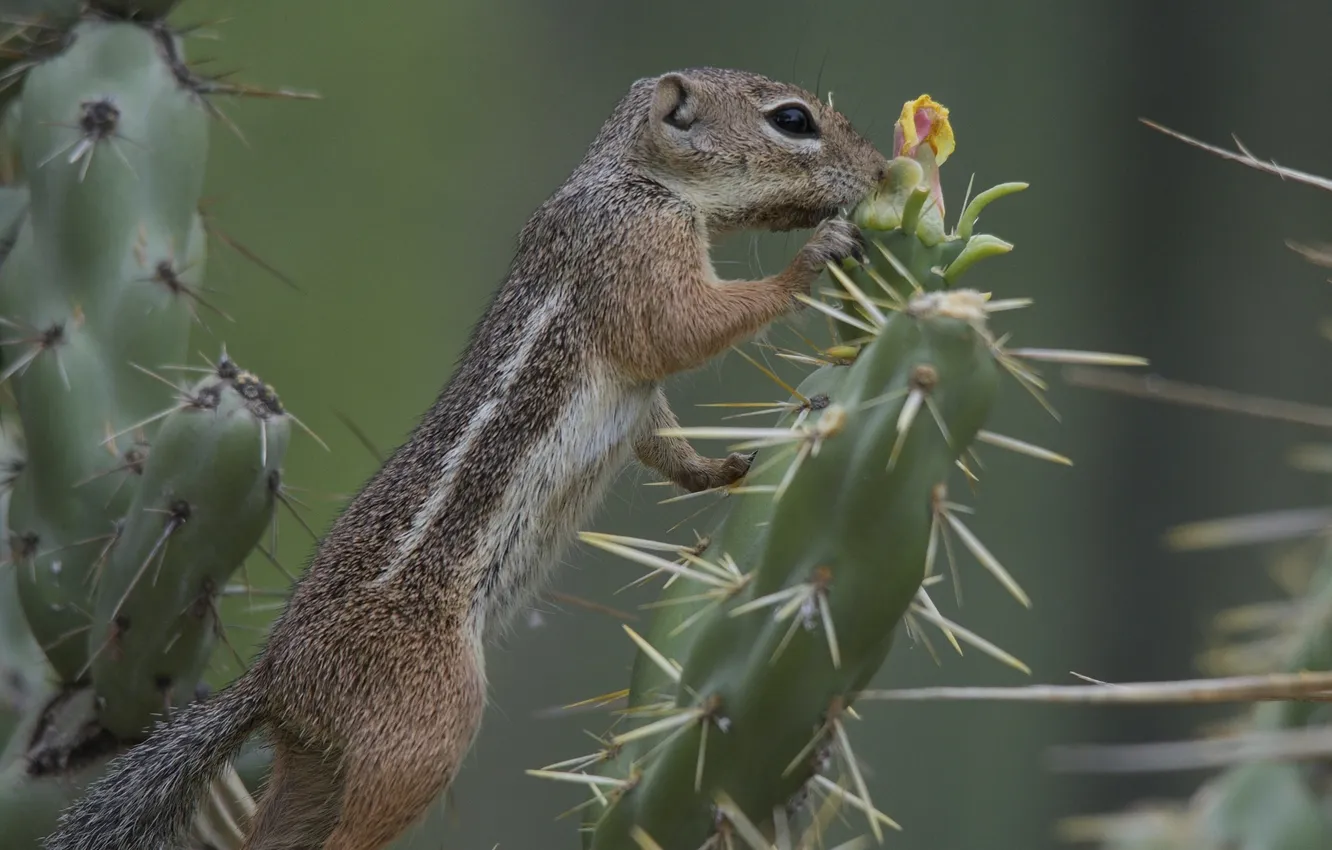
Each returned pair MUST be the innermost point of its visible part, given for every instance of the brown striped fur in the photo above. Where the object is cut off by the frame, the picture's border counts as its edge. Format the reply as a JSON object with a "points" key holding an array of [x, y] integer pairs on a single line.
{"points": [[372, 682]]}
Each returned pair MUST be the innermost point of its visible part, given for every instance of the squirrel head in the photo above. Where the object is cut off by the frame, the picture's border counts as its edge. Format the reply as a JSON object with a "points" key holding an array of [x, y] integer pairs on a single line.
{"points": [[750, 152]]}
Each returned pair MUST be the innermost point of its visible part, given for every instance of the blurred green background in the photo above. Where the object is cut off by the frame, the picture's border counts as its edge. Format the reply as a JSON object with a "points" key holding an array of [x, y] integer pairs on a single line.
{"points": [[394, 203]]}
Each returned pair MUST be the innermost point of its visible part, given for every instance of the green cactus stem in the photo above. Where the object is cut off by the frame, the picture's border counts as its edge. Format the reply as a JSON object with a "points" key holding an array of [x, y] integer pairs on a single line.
{"points": [[102, 276], [134, 499], [208, 491], [23, 668], [834, 564]]}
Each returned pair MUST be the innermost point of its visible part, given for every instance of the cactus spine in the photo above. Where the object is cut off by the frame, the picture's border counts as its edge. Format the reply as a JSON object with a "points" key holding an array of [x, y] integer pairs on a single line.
{"points": [[139, 495], [1272, 790]]}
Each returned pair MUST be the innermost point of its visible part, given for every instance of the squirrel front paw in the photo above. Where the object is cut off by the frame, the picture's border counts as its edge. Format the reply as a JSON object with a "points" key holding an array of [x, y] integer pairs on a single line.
{"points": [[715, 472], [833, 241]]}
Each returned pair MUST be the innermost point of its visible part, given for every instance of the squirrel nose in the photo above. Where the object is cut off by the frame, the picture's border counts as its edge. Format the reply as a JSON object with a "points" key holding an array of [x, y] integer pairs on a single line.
{"points": [[880, 173]]}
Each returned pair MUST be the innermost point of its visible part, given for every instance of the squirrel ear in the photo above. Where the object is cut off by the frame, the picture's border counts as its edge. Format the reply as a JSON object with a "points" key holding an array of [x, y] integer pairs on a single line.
{"points": [[674, 102]]}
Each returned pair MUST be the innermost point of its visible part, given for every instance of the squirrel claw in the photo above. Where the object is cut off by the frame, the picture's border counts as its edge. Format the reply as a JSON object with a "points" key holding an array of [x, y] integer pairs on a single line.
{"points": [[834, 240], [719, 472]]}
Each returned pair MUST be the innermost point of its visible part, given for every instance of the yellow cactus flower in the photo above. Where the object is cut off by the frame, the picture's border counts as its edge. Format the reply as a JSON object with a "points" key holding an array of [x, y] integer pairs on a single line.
{"points": [[922, 141], [924, 122]]}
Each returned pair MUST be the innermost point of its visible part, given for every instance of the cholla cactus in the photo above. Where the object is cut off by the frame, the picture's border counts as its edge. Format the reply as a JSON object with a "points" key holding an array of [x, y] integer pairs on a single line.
{"points": [[23, 667], [769, 629], [1272, 791], [137, 496]]}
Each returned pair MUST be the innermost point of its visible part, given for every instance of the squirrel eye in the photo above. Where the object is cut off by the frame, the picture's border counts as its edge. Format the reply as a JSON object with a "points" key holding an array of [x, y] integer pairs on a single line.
{"points": [[794, 120]]}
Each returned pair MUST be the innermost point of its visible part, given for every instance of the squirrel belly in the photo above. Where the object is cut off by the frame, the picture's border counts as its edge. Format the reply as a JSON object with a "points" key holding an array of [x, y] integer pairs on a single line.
{"points": [[550, 440], [556, 482], [563, 483]]}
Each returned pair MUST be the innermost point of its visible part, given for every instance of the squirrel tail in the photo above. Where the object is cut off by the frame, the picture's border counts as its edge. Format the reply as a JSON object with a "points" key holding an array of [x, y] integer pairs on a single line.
{"points": [[147, 796]]}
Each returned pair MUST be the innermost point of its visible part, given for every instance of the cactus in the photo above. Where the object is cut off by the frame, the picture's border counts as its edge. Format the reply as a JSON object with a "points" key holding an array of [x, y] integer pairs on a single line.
{"points": [[1277, 796], [30, 31], [837, 555], [769, 629], [23, 667], [138, 497], [1272, 790], [1274, 796]]}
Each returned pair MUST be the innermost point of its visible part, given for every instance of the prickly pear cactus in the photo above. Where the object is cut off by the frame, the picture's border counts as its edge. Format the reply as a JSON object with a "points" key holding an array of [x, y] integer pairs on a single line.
{"points": [[768, 630], [141, 487]]}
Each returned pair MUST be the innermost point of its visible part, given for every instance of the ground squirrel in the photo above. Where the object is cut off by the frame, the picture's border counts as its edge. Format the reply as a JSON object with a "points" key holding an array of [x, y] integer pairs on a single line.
{"points": [[372, 683]]}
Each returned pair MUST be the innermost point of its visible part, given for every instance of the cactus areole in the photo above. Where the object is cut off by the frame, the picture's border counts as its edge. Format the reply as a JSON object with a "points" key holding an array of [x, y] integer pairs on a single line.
{"points": [[142, 487]]}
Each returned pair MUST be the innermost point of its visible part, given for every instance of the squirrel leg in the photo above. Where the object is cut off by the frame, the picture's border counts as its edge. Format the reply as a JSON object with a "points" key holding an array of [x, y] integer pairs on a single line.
{"points": [[693, 318], [404, 756], [677, 459], [385, 792], [299, 806]]}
